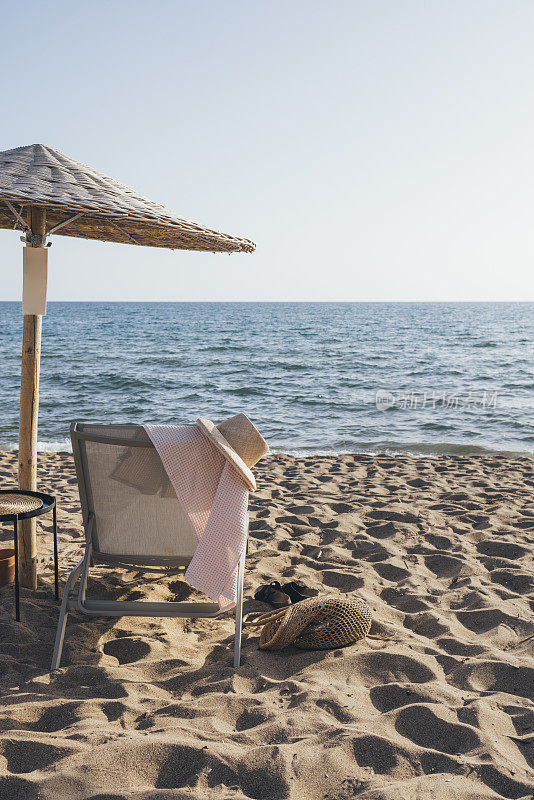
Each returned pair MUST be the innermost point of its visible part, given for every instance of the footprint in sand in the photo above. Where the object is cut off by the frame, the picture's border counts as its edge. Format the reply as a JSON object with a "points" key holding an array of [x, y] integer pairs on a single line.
{"points": [[502, 784], [522, 719], [126, 650], [432, 728], [454, 647], [388, 696], [383, 667], [439, 542], [516, 582], [394, 516], [251, 719], [382, 531], [302, 510], [418, 483], [88, 681], [495, 676], [390, 572], [180, 590], [27, 756], [426, 624], [523, 523], [407, 603], [499, 549], [344, 581], [444, 566], [486, 619], [181, 765], [377, 753], [263, 773], [56, 718], [13, 788]]}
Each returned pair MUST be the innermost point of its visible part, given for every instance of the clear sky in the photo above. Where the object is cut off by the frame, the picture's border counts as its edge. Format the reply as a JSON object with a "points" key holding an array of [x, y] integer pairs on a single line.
{"points": [[374, 150]]}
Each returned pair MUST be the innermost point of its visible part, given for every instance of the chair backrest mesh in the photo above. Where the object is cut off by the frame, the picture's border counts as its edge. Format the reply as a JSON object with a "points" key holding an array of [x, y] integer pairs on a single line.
{"points": [[136, 511]]}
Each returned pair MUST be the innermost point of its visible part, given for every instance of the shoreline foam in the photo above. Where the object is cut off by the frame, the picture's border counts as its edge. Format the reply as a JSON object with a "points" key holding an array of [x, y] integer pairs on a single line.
{"points": [[417, 450]]}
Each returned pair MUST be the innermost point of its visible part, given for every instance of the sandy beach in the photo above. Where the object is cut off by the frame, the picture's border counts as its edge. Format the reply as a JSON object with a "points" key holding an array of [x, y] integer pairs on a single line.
{"points": [[438, 703]]}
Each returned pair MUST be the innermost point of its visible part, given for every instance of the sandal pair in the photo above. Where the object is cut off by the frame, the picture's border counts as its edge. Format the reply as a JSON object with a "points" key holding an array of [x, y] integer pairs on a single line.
{"points": [[279, 596]]}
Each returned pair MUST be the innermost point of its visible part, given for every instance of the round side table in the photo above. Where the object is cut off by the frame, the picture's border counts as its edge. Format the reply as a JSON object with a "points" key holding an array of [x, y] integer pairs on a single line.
{"points": [[16, 504]]}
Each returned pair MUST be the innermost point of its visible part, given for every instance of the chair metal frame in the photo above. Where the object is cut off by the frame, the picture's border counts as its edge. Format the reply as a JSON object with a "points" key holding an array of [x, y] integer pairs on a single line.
{"points": [[74, 594]]}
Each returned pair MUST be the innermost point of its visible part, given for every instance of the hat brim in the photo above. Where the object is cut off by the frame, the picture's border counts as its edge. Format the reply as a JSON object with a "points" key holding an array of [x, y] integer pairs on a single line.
{"points": [[215, 436]]}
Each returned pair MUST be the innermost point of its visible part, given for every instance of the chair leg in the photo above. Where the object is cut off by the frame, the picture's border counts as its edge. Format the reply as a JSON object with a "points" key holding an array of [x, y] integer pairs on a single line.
{"points": [[239, 611], [56, 565], [63, 614], [60, 635]]}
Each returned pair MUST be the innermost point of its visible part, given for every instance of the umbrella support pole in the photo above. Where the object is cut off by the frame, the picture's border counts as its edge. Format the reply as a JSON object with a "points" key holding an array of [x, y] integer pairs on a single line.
{"points": [[29, 409]]}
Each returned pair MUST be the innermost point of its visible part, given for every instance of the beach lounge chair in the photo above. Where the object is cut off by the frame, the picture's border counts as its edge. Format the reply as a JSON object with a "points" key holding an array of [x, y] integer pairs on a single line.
{"points": [[132, 518]]}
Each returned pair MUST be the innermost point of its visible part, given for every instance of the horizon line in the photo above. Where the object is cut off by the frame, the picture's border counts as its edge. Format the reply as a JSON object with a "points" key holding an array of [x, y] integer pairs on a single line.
{"points": [[282, 302]]}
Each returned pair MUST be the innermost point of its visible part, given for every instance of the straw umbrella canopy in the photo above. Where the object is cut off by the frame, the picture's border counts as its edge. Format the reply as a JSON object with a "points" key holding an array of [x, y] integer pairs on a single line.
{"points": [[44, 192]]}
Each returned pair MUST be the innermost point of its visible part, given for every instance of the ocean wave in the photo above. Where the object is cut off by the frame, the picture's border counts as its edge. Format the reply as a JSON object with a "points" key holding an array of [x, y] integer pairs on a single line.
{"points": [[376, 448], [406, 449], [52, 446]]}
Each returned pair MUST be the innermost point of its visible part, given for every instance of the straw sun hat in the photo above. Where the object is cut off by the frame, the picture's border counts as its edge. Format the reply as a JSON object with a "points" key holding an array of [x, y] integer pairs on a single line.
{"points": [[239, 441]]}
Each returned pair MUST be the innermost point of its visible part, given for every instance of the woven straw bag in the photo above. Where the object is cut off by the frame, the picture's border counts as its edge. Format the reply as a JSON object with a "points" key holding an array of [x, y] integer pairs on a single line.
{"points": [[318, 623]]}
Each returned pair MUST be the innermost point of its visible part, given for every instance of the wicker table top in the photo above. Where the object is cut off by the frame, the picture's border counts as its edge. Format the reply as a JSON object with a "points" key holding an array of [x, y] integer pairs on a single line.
{"points": [[18, 503]]}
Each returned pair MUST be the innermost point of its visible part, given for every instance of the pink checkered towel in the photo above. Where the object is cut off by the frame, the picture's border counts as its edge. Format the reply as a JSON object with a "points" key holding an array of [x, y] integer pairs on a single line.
{"points": [[215, 497]]}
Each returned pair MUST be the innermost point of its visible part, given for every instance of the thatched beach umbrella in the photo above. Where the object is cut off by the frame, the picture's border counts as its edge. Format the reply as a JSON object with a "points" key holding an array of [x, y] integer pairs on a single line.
{"points": [[44, 192]]}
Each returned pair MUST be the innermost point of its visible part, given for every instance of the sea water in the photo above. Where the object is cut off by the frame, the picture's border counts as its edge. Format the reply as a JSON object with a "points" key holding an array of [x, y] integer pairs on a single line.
{"points": [[314, 377]]}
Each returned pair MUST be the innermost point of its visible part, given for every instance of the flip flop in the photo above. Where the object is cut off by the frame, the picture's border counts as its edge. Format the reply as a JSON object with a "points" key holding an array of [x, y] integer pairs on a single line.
{"points": [[271, 593], [297, 591]]}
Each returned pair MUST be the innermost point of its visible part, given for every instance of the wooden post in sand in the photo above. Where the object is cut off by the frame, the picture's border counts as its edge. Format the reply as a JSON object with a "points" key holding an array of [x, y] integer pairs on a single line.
{"points": [[29, 409]]}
